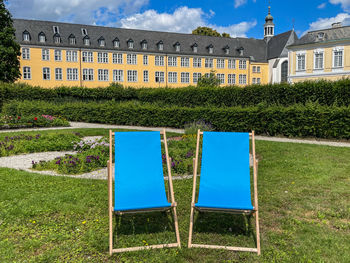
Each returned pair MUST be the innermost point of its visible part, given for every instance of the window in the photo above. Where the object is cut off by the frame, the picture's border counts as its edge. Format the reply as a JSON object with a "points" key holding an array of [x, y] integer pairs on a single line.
{"points": [[254, 80], [227, 50], [221, 77], [118, 58], [25, 53], [27, 73], [231, 64], [172, 61], [58, 55], [242, 79], [118, 75], [88, 74], [131, 59], [197, 62], [185, 77], [132, 76], [144, 44], [116, 43], [172, 77], [103, 75], [58, 74], [301, 62], [86, 41], [130, 44], [46, 73], [284, 72], [242, 64], [57, 39], [26, 36], [45, 54], [211, 50], [231, 78], [254, 69], [196, 77], [177, 47], [338, 58], [159, 76], [160, 46], [145, 76], [72, 74], [71, 56], [220, 63], [145, 60], [101, 42], [185, 62], [159, 60], [88, 56], [208, 62], [83, 31], [195, 49], [258, 81], [72, 40], [258, 69], [42, 37], [318, 60], [102, 57]]}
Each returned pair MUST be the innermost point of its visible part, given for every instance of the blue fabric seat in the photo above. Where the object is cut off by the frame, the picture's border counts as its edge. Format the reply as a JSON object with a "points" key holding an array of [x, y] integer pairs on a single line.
{"points": [[225, 172], [139, 180]]}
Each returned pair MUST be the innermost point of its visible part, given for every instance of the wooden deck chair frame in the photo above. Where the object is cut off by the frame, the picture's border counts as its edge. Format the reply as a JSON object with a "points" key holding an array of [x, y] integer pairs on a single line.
{"points": [[111, 208], [255, 210]]}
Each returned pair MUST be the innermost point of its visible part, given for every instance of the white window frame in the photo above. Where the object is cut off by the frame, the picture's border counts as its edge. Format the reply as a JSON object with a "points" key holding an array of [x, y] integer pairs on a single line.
{"points": [[317, 61], [42, 38], [27, 73], [102, 57], [185, 62], [172, 61], [145, 60], [196, 76], [88, 74], [132, 75], [131, 44], [242, 64], [145, 76], [26, 37], [87, 41], [45, 54], [197, 62], [72, 74], [185, 77], [172, 77], [118, 75], [209, 62], [26, 53], [71, 56], [336, 50], [58, 74], [160, 75], [103, 74], [159, 61], [87, 56], [221, 78], [58, 55], [299, 55], [220, 63], [46, 73], [131, 59], [117, 58], [231, 79], [242, 79], [116, 43], [231, 64]]}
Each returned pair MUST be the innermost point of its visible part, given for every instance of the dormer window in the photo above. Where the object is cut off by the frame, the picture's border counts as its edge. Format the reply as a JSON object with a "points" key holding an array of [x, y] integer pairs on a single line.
{"points": [[26, 36], [195, 48], [240, 51], [320, 36], [42, 37], [101, 42], [72, 40], [57, 38], [130, 43], [84, 32], [211, 49], [227, 50], [56, 30], [86, 41], [177, 47], [160, 45], [144, 44], [116, 43]]}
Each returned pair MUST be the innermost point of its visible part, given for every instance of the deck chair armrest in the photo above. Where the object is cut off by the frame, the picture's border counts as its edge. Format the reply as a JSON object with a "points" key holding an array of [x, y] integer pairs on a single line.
{"points": [[174, 204]]}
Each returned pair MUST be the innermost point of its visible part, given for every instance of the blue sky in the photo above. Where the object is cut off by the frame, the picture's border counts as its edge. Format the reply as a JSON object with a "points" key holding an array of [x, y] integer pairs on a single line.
{"points": [[243, 18]]}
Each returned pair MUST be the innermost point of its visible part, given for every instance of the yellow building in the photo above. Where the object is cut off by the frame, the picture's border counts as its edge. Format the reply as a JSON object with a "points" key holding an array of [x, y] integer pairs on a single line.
{"points": [[321, 54], [61, 54]]}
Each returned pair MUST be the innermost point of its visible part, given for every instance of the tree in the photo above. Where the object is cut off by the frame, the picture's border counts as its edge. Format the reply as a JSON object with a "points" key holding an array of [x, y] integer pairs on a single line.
{"points": [[207, 31], [209, 81], [9, 48]]}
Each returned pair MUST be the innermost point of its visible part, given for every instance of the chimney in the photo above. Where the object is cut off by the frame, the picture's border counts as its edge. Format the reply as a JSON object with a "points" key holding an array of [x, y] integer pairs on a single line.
{"points": [[336, 25]]}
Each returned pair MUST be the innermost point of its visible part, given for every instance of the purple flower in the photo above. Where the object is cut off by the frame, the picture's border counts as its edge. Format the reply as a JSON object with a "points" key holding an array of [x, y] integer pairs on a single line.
{"points": [[58, 162], [172, 164]]}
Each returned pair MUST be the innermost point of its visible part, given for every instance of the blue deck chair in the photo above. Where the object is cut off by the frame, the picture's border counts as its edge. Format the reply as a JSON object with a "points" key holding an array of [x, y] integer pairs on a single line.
{"points": [[225, 180], [139, 180]]}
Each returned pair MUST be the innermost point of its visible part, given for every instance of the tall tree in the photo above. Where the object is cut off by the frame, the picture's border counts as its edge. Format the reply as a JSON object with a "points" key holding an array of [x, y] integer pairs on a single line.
{"points": [[206, 31], [9, 48], [225, 35]]}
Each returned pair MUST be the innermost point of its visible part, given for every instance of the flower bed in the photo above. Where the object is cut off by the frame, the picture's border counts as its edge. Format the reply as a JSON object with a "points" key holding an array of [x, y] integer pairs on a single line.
{"points": [[16, 122]]}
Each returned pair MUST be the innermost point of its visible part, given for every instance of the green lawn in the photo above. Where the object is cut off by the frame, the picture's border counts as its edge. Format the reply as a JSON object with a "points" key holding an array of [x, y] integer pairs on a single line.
{"points": [[304, 202]]}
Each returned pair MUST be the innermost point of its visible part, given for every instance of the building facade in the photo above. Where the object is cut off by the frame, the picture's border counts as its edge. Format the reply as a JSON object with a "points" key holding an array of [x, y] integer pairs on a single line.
{"points": [[321, 54], [61, 54]]}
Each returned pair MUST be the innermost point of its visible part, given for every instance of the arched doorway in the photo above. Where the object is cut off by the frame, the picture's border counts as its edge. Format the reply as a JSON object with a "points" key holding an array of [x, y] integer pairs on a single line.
{"points": [[284, 71]]}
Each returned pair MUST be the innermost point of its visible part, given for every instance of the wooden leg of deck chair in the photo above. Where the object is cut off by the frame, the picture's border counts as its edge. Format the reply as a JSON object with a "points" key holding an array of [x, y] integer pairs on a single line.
{"points": [[177, 232], [110, 193], [256, 205]]}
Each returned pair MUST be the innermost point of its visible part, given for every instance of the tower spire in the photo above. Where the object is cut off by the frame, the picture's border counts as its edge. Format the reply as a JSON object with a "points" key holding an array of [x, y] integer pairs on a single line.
{"points": [[269, 27]]}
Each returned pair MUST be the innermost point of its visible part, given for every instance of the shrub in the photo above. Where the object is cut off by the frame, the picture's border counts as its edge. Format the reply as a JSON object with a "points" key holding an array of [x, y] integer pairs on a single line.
{"points": [[310, 120], [193, 127]]}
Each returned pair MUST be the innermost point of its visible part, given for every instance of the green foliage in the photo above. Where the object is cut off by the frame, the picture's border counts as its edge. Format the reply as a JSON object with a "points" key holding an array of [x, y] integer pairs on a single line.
{"points": [[310, 120], [210, 81], [9, 48], [225, 35], [30, 121], [323, 92], [208, 31], [193, 127]]}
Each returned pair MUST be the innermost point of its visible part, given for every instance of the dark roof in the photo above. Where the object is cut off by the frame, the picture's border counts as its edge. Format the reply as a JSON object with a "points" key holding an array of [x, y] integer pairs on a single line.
{"points": [[330, 34], [253, 48], [277, 44]]}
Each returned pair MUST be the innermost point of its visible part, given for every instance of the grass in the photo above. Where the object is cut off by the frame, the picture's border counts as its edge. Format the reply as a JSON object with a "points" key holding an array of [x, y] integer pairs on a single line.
{"points": [[304, 215]]}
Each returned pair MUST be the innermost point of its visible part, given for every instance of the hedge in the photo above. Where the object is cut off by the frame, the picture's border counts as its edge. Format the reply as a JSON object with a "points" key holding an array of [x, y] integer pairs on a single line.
{"points": [[310, 120], [322, 92]]}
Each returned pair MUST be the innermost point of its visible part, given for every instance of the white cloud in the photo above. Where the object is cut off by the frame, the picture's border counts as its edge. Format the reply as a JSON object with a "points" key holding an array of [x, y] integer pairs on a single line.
{"points": [[79, 11], [322, 6], [182, 20], [345, 4], [239, 3], [323, 23]]}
